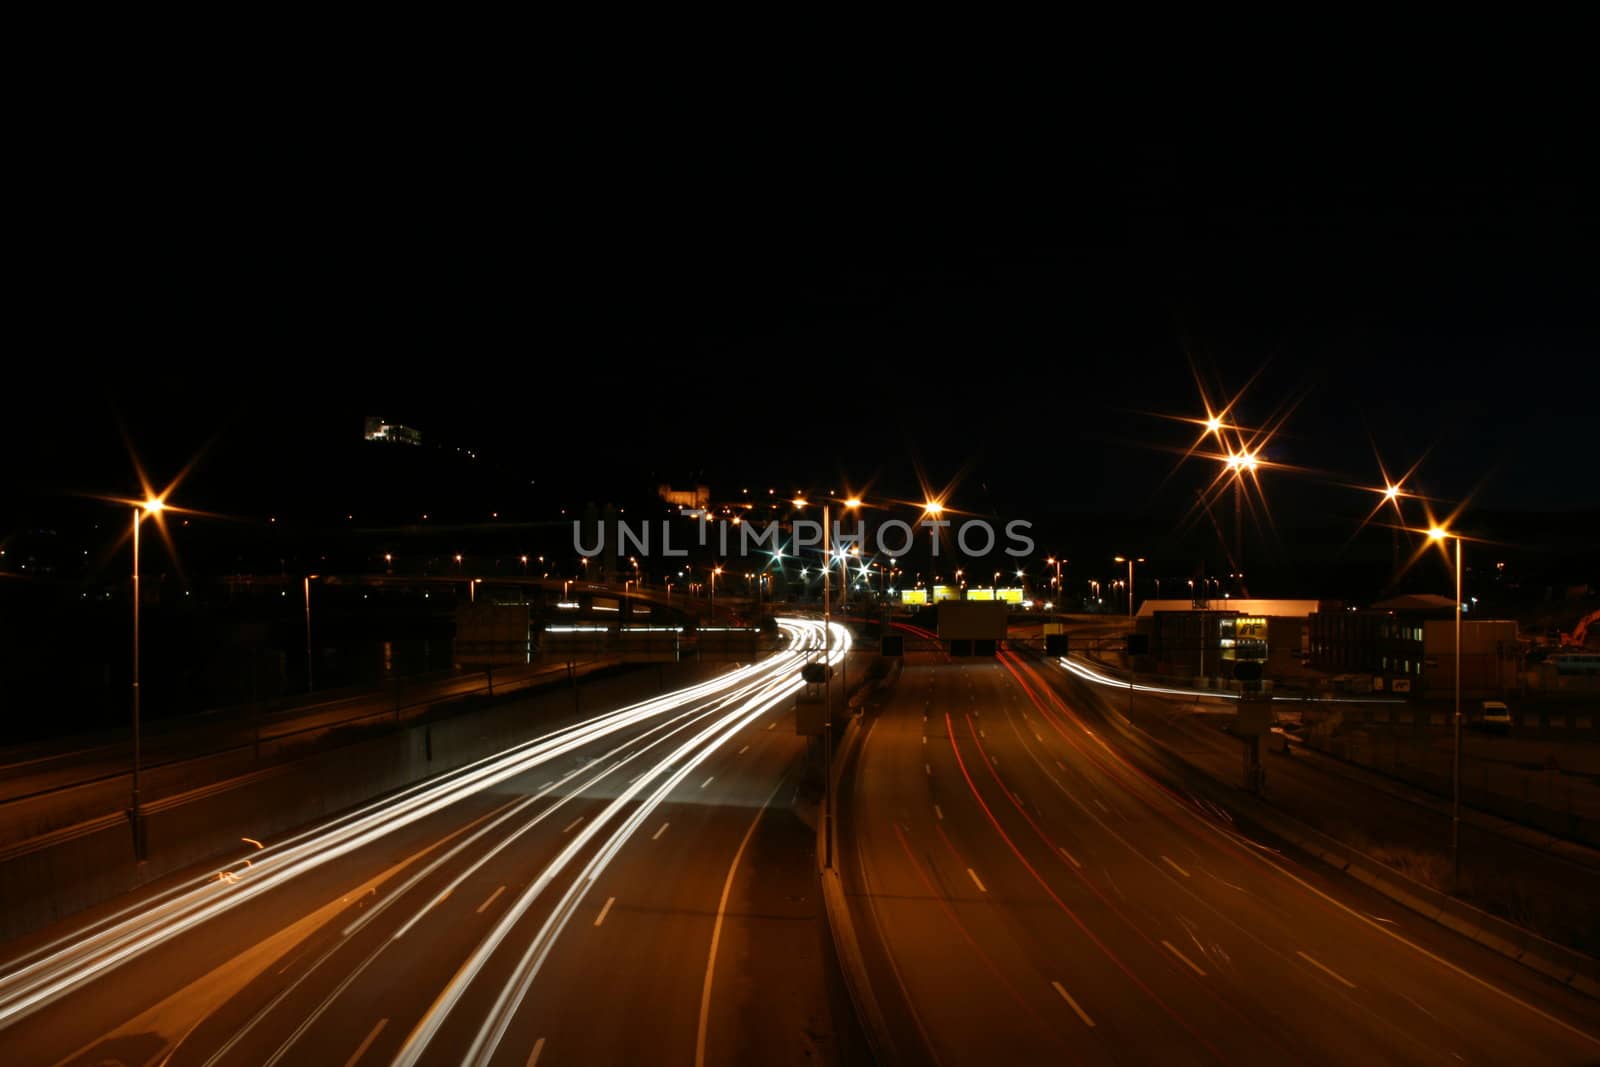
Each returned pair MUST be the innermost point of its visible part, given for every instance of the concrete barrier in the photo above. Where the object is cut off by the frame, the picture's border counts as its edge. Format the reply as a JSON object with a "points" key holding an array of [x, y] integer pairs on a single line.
{"points": [[51, 877], [836, 908]]}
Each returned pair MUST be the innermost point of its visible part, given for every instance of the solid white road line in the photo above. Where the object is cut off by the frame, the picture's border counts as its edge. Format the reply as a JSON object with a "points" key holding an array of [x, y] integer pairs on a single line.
{"points": [[716, 931], [612, 900], [1329, 971], [371, 1037], [1174, 950], [484, 906], [1068, 998]]}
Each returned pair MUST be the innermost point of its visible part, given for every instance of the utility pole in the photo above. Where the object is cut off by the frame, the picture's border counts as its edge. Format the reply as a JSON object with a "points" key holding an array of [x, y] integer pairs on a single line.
{"points": [[827, 693]]}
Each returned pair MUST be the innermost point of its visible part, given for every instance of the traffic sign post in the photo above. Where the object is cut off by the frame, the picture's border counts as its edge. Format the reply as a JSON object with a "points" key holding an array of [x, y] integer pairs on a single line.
{"points": [[1252, 722]]}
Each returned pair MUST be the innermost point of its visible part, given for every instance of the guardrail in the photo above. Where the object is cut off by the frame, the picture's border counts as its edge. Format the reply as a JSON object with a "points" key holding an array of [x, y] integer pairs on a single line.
{"points": [[239, 748]]}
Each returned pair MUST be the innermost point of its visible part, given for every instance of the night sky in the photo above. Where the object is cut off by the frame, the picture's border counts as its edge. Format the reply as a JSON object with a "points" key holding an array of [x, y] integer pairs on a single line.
{"points": [[821, 288]]}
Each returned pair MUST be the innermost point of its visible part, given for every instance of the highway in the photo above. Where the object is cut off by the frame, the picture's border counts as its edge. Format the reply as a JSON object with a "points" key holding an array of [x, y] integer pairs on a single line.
{"points": [[587, 896], [1026, 892], [1552, 884]]}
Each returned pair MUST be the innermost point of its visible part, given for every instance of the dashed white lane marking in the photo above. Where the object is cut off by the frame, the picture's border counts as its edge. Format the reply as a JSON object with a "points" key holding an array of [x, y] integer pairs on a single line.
{"points": [[928, 768], [708, 781], [485, 905], [1329, 971], [976, 880], [1071, 857], [533, 1057], [612, 900], [1103, 808], [657, 835], [1174, 950], [939, 812], [1175, 867], [1068, 998], [743, 750], [573, 825]]}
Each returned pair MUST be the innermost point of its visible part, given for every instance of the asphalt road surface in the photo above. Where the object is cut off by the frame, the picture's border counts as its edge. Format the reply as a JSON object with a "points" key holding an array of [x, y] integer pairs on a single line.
{"points": [[613, 893], [1026, 893]]}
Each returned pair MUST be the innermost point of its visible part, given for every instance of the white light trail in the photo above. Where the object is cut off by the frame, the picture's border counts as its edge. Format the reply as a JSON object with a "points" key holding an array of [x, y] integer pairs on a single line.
{"points": [[692, 753], [68, 963]]}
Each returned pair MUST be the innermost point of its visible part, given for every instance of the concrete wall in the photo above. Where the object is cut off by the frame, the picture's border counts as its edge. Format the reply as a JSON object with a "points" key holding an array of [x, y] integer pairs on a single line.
{"points": [[50, 878]]}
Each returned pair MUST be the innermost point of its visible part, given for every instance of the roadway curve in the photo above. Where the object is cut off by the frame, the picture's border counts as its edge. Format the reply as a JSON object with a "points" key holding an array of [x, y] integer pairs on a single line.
{"points": [[1028, 894], [584, 897]]}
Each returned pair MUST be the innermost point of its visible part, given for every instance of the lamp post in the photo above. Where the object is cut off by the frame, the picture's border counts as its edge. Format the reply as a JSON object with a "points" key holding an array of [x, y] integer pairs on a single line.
{"points": [[714, 572], [151, 506], [306, 582], [1130, 561], [827, 693], [1438, 533]]}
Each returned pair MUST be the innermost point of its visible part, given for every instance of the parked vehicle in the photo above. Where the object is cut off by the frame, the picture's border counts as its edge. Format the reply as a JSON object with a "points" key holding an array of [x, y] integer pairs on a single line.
{"points": [[1495, 716]]}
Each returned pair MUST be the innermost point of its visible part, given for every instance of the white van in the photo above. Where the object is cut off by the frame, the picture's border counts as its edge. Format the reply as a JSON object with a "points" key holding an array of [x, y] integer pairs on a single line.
{"points": [[1495, 716]]}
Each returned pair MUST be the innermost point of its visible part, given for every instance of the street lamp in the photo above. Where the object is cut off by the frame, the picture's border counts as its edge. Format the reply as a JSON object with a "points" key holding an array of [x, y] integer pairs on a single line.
{"points": [[1130, 561], [310, 685], [151, 506], [714, 572], [1439, 533], [850, 504]]}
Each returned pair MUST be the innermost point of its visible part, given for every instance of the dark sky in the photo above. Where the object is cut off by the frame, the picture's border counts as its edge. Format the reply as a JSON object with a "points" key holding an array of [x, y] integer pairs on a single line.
{"points": [[614, 286]]}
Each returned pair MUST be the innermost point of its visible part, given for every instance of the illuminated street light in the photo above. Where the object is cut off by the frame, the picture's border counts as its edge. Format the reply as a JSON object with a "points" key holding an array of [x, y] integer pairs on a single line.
{"points": [[1130, 561], [152, 505], [1439, 534]]}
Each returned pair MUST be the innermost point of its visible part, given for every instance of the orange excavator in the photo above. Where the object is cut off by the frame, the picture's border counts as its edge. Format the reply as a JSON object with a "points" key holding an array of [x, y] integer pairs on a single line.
{"points": [[1580, 633]]}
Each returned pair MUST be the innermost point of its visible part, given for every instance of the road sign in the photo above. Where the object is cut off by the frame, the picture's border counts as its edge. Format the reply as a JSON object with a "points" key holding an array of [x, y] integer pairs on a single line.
{"points": [[1253, 716], [816, 673], [1246, 670]]}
